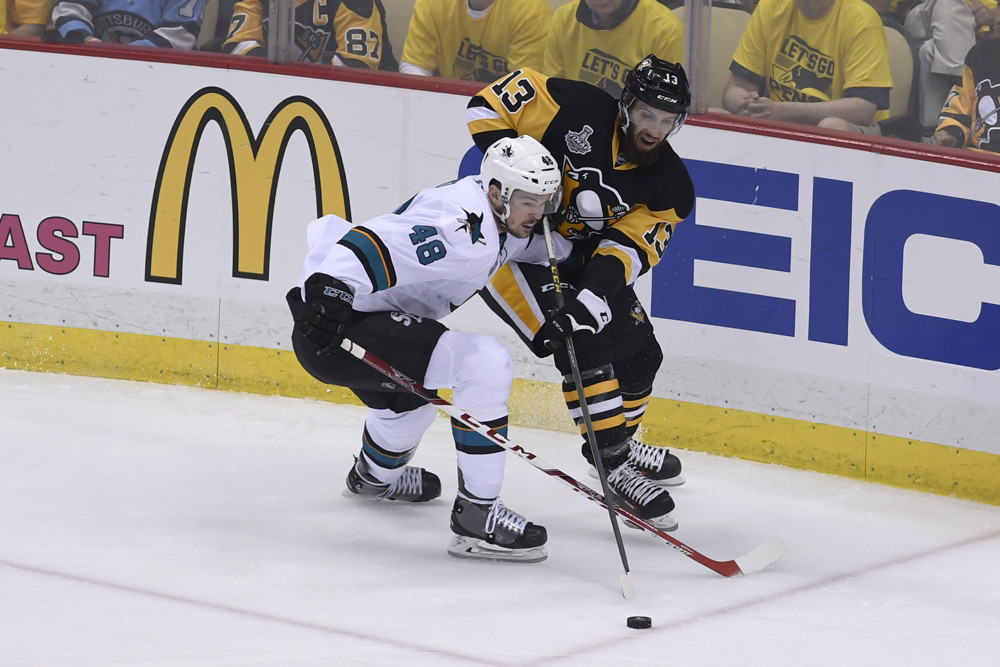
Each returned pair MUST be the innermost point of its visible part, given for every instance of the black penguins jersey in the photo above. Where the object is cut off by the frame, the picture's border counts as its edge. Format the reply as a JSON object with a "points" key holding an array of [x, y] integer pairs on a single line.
{"points": [[620, 214], [971, 112], [344, 32]]}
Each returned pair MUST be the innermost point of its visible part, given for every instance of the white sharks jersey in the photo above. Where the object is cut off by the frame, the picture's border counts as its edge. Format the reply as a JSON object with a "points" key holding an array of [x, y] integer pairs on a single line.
{"points": [[426, 259]]}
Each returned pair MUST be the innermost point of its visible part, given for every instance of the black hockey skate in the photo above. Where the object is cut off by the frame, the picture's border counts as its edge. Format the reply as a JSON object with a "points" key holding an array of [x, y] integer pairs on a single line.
{"points": [[656, 463], [415, 485], [491, 531], [649, 501]]}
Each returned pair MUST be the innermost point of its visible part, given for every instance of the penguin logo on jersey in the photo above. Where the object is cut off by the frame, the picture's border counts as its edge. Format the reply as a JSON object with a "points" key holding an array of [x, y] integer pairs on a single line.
{"points": [[121, 27], [638, 314], [590, 205], [987, 110], [473, 224], [310, 43]]}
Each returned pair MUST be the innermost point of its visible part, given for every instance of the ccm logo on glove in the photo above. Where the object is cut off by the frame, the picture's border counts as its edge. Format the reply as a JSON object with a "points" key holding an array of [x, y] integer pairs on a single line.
{"points": [[585, 315], [331, 301]]}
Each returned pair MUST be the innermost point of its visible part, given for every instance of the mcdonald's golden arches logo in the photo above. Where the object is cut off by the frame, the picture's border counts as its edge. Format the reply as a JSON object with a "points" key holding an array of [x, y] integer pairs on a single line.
{"points": [[254, 165]]}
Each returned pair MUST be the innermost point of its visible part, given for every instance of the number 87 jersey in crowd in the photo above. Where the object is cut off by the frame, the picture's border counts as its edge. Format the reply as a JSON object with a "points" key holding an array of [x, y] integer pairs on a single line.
{"points": [[425, 259]]}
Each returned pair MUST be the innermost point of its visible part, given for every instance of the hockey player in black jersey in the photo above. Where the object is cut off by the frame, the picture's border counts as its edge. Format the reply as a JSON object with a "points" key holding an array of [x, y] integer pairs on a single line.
{"points": [[624, 189]]}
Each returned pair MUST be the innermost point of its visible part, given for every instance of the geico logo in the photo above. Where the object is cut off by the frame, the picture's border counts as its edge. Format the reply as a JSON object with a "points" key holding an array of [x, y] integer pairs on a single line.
{"points": [[254, 164], [924, 279]]}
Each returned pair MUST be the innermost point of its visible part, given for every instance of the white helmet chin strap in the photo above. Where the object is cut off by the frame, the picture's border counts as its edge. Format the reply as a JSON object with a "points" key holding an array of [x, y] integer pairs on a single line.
{"points": [[503, 216], [505, 212]]}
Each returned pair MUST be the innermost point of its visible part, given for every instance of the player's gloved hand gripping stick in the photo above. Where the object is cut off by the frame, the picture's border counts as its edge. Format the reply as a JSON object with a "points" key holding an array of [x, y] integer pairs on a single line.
{"points": [[331, 302], [583, 316]]}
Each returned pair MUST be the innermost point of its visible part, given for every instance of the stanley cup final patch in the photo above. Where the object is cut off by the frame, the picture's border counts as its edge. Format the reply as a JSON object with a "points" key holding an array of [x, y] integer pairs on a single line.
{"points": [[577, 142]]}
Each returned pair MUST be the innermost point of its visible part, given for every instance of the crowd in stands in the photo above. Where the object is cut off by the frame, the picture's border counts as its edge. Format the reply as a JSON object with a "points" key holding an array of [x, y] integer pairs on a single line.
{"points": [[818, 62]]}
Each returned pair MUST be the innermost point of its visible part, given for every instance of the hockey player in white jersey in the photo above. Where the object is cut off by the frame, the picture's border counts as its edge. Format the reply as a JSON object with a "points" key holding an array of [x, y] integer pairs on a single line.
{"points": [[384, 284]]}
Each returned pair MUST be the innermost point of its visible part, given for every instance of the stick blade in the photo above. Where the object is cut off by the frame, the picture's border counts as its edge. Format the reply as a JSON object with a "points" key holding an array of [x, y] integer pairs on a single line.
{"points": [[761, 557], [628, 589]]}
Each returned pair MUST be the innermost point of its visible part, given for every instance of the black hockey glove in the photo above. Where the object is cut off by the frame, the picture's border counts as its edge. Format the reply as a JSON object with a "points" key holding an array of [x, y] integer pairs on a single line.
{"points": [[581, 317], [331, 302]]}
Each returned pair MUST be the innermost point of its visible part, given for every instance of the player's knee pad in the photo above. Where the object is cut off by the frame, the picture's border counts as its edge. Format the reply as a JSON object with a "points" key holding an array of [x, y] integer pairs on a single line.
{"points": [[478, 368]]}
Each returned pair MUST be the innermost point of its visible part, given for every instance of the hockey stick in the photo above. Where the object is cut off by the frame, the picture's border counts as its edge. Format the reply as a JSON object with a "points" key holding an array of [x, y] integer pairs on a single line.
{"points": [[757, 559], [628, 590]]}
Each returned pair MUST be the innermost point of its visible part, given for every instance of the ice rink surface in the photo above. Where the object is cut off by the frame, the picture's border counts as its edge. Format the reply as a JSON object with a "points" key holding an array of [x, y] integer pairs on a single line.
{"points": [[144, 524]]}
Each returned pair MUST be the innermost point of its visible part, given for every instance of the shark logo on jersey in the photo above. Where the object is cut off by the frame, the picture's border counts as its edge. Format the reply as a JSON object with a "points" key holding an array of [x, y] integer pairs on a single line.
{"points": [[473, 224], [577, 142], [590, 203]]}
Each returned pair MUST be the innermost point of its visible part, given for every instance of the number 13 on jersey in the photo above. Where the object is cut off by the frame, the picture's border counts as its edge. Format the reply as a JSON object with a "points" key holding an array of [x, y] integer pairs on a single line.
{"points": [[513, 91]]}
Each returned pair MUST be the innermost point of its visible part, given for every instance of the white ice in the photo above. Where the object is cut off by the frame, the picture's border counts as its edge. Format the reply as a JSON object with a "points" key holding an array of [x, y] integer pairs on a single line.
{"points": [[144, 524]]}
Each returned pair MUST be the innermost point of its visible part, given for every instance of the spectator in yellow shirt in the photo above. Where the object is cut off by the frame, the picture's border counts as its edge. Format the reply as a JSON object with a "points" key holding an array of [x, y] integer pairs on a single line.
{"points": [[27, 18], [475, 40], [600, 41], [816, 62]]}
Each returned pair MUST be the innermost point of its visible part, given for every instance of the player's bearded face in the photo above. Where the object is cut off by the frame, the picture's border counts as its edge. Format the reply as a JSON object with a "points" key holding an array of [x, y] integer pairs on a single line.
{"points": [[647, 131]]}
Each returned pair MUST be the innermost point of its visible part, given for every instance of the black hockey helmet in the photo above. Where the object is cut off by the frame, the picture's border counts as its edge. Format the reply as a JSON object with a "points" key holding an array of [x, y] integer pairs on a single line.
{"points": [[660, 84]]}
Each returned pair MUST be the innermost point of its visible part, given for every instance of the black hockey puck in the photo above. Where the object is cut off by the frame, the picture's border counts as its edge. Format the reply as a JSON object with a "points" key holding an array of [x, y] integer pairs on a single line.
{"points": [[639, 622]]}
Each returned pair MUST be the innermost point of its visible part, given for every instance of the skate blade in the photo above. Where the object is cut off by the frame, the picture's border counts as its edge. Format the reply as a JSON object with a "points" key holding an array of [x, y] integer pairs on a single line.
{"points": [[665, 483], [473, 548], [347, 493], [677, 480]]}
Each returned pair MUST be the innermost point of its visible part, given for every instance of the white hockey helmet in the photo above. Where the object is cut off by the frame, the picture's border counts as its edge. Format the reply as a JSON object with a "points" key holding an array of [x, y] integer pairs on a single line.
{"points": [[521, 163]]}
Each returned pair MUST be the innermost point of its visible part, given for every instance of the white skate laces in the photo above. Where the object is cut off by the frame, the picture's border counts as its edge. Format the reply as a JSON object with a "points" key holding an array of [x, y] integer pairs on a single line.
{"points": [[414, 485], [657, 464], [410, 483], [645, 456], [633, 485], [488, 530], [507, 519], [651, 501]]}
